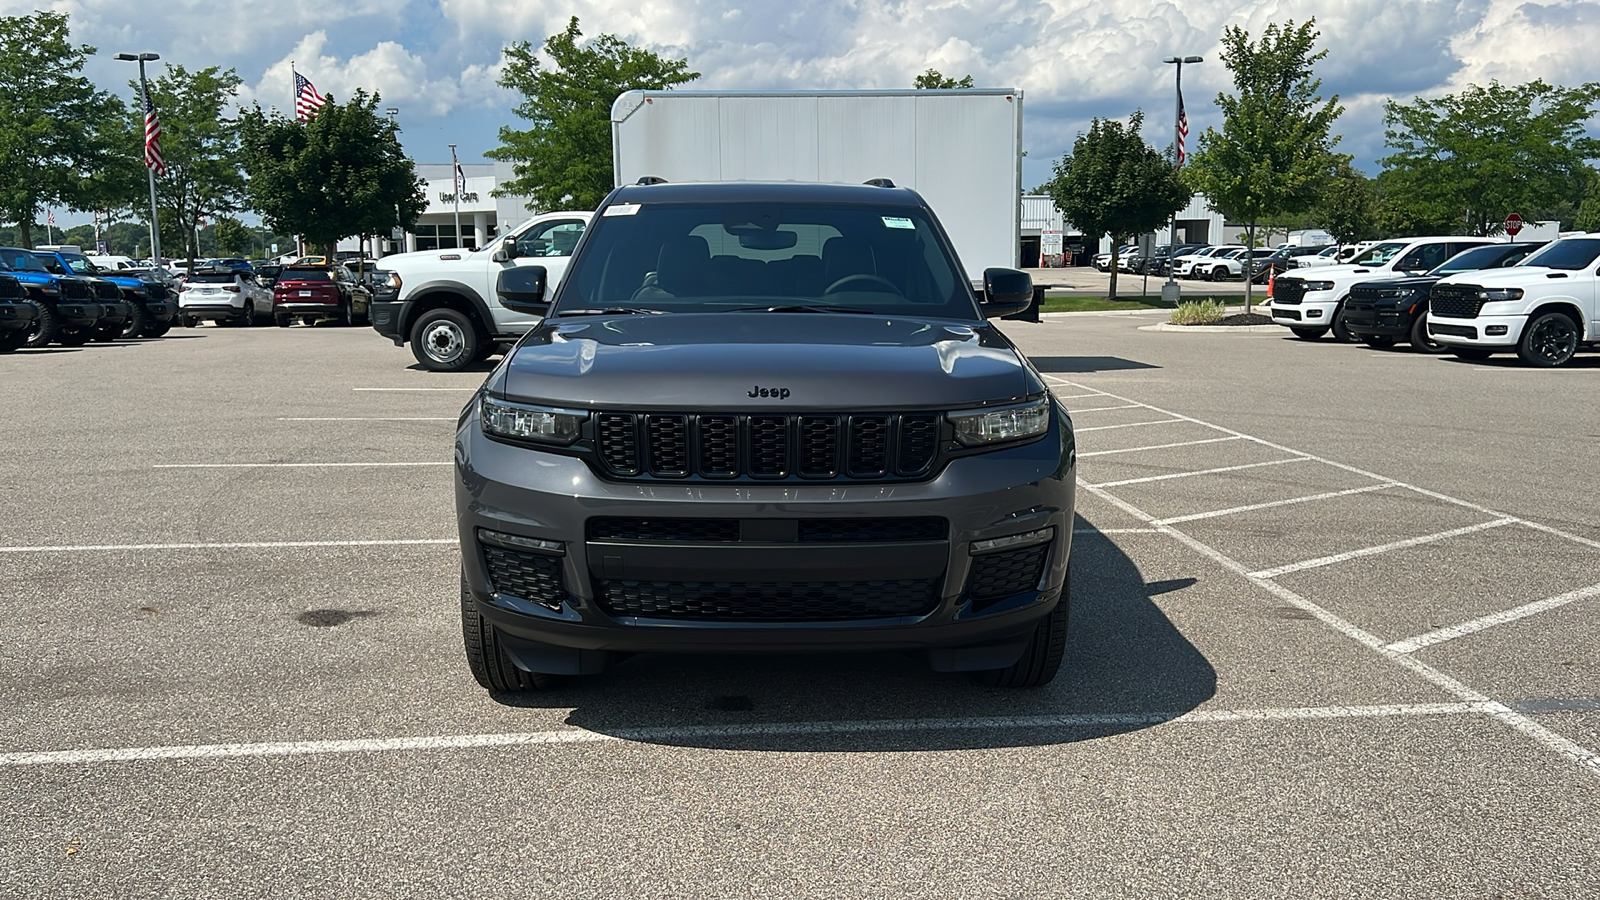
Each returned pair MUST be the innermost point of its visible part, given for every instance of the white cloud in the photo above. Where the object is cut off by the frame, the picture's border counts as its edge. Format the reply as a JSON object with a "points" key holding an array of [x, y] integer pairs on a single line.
{"points": [[387, 69]]}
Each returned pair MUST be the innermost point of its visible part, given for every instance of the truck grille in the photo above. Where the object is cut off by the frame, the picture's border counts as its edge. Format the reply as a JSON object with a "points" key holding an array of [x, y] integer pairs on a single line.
{"points": [[996, 576], [105, 290], [767, 446], [769, 601], [530, 576], [1288, 291], [75, 289], [156, 290], [1455, 301], [12, 289]]}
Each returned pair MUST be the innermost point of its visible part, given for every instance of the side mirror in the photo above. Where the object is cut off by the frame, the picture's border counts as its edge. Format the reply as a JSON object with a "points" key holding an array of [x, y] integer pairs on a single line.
{"points": [[1006, 292], [522, 288], [506, 252]]}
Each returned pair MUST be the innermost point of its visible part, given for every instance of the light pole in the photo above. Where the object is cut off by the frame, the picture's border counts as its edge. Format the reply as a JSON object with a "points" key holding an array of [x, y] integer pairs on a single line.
{"points": [[1170, 290], [455, 191], [144, 94]]}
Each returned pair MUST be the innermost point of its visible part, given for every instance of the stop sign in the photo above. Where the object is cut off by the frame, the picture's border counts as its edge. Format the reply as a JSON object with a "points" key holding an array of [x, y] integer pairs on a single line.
{"points": [[1513, 224]]}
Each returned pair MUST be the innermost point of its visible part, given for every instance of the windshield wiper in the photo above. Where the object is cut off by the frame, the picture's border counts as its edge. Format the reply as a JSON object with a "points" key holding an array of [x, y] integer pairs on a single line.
{"points": [[817, 308], [611, 311]]}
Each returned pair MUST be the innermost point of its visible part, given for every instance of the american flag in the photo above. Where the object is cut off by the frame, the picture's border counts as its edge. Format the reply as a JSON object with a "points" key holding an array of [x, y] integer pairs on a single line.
{"points": [[1183, 128], [306, 99], [152, 138]]}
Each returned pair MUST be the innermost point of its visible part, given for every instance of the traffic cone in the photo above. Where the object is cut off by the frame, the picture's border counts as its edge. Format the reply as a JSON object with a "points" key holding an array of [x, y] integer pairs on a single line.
{"points": [[1272, 278]]}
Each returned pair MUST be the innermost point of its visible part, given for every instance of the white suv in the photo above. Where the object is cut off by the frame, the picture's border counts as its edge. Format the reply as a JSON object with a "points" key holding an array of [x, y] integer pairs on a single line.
{"points": [[1312, 303], [226, 296], [1184, 266], [1544, 309]]}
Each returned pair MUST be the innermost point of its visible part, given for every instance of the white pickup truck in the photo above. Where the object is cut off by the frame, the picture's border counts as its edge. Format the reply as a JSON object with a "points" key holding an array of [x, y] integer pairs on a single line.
{"points": [[1544, 310], [447, 307], [1312, 304]]}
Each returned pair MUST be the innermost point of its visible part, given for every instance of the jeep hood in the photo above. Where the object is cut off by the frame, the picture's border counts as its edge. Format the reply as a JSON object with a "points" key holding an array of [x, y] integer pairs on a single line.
{"points": [[1335, 273], [1517, 276], [715, 361]]}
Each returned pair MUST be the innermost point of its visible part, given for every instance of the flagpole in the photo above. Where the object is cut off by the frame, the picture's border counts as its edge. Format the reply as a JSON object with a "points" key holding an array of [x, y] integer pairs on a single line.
{"points": [[455, 183], [1170, 290]]}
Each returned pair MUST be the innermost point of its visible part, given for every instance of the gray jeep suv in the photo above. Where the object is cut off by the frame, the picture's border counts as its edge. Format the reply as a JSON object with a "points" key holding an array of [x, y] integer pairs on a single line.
{"points": [[769, 418]]}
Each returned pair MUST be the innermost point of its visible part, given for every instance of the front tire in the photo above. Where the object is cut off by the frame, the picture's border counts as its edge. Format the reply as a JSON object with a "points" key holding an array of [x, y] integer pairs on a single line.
{"points": [[44, 328], [1550, 340], [1039, 663], [444, 340], [1420, 341], [157, 329], [1341, 329], [73, 337], [281, 321], [490, 665], [1309, 334], [135, 325]]}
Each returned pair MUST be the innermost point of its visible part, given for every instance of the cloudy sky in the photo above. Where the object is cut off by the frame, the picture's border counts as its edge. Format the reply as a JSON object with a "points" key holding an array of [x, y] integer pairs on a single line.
{"points": [[438, 60]]}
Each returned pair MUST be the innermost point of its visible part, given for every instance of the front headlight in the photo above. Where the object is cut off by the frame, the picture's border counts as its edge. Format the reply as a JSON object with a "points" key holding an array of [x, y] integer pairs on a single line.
{"points": [[1318, 286], [530, 423], [1393, 294], [1500, 294], [981, 427]]}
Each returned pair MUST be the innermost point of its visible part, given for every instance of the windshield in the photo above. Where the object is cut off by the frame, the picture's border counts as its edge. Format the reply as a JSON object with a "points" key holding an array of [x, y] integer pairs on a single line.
{"points": [[708, 257], [1570, 254], [1378, 254], [80, 265], [1492, 256], [13, 258]]}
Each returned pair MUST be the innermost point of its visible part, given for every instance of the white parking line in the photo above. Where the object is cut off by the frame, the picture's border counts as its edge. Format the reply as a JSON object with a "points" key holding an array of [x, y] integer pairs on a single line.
{"points": [[367, 419], [1116, 531], [1104, 408], [233, 545], [1336, 558], [678, 734], [1125, 425], [1159, 446], [1172, 475], [1412, 645], [1080, 396], [309, 465], [416, 389], [1273, 503]]}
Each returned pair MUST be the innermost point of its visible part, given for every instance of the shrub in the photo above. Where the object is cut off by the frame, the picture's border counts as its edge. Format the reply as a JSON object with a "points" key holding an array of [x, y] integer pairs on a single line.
{"points": [[1198, 312]]}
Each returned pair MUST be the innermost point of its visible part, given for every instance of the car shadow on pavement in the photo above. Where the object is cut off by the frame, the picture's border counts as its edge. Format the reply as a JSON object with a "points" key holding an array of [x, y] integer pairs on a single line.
{"points": [[1127, 668], [1064, 365], [1510, 361]]}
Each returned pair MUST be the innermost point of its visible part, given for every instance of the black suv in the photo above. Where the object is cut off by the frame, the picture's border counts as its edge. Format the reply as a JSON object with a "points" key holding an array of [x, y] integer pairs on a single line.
{"points": [[1380, 313], [764, 418], [17, 314]]}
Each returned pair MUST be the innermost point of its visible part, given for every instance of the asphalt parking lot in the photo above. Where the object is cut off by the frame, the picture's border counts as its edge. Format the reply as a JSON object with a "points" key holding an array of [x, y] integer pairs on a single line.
{"points": [[1333, 636]]}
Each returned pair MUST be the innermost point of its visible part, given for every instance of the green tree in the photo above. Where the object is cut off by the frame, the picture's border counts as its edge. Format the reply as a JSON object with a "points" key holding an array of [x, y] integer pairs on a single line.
{"points": [[1490, 151], [200, 143], [934, 80], [1274, 152], [1587, 217], [55, 126], [563, 160], [233, 237], [1114, 183], [341, 173], [1347, 207]]}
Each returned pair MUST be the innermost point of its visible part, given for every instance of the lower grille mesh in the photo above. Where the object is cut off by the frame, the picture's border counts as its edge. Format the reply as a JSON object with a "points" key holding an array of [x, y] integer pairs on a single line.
{"points": [[996, 576], [531, 576], [768, 601]]}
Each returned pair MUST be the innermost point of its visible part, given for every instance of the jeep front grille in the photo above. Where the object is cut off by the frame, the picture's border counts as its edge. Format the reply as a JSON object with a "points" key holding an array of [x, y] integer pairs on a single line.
{"points": [[767, 446], [75, 289], [1455, 301]]}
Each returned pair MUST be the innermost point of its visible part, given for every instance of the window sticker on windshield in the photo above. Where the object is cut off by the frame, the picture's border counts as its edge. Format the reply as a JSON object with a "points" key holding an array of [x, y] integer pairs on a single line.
{"points": [[622, 209], [894, 222]]}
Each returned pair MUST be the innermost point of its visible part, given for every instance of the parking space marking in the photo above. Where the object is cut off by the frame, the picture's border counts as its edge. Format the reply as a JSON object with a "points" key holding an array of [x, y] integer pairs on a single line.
{"points": [[1336, 558], [674, 734], [1583, 757], [1171, 475], [308, 465], [1158, 446], [1079, 396], [1126, 425], [229, 545], [1412, 645], [1273, 503], [367, 418], [1116, 531], [415, 389], [1106, 408]]}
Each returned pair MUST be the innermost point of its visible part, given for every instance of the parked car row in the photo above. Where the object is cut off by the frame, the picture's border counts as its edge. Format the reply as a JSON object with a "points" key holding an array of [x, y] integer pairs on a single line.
{"points": [[1470, 296]]}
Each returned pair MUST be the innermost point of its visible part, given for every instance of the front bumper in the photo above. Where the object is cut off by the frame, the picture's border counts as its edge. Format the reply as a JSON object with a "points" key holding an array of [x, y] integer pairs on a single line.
{"points": [[1482, 331], [388, 316], [551, 497], [78, 313], [17, 315], [1315, 310], [159, 310], [1390, 321], [114, 313]]}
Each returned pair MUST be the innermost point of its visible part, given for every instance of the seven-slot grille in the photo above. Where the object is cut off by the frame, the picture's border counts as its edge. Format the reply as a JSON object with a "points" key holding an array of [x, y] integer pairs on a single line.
{"points": [[76, 289], [767, 445], [1288, 291], [1456, 301], [105, 290]]}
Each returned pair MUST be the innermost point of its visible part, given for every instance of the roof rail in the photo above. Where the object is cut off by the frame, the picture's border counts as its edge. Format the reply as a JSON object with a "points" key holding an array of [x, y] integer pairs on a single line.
{"points": [[879, 182], [651, 179]]}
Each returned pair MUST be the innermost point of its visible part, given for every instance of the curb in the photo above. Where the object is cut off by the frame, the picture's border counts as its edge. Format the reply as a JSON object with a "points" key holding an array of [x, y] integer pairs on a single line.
{"points": [[1214, 329]]}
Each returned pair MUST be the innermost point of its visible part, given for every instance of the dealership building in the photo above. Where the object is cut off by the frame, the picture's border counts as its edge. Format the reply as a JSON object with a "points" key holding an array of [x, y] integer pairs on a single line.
{"points": [[483, 215]]}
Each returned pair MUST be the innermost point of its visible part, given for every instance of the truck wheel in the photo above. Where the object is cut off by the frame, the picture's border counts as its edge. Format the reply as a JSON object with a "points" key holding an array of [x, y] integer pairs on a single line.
{"points": [[73, 337], [105, 334], [1548, 341], [345, 318], [189, 321], [489, 664], [1341, 329], [1377, 341], [246, 318], [157, 329], [1472, 353], [444, 340], [1040, 662], [1309, 334], [44, 327], [13, 339], [282, 321], [134, 327], [1420, 342]]}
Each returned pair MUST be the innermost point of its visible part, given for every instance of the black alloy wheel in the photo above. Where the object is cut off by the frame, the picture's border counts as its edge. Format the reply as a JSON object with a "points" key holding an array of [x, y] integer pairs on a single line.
{"points": [[1549, 340], [44, 327]]}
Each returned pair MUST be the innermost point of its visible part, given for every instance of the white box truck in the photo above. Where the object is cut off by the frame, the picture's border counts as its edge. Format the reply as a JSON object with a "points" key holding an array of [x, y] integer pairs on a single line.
{"points": [[960, 149]]}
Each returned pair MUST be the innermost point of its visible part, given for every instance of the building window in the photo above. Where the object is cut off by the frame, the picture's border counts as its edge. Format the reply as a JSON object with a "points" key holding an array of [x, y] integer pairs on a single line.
{"points": [[442, 237]]}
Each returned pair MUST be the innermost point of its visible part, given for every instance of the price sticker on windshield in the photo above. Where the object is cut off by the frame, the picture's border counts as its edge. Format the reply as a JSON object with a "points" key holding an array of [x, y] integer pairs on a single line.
{"points": [[894, 222], [622, 209]]}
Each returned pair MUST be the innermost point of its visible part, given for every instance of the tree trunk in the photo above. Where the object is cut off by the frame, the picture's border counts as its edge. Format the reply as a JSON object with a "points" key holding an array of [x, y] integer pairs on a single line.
{"points": [[1250, 246], [1115, 246], [25, 235]]}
